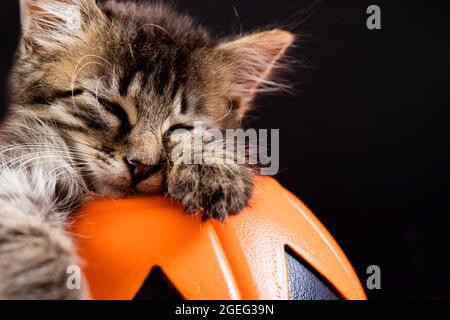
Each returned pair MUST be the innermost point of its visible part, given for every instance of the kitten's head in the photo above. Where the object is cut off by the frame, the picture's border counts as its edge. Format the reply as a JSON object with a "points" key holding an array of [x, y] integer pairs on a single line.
{"points": [[117, 78]]}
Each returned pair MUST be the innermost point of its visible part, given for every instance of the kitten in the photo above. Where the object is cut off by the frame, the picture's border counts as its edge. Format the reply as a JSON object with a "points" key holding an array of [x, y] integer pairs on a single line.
{"points": [[97, 90]]}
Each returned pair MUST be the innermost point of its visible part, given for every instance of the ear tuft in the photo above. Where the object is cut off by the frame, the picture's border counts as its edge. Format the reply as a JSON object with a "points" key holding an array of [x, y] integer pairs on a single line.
{"points": [[252, 59], [53, 23]]}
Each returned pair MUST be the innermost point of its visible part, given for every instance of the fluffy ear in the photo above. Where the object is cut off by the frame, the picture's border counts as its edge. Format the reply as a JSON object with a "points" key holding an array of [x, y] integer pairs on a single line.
{"points": [[250, 61], [54, 23]]}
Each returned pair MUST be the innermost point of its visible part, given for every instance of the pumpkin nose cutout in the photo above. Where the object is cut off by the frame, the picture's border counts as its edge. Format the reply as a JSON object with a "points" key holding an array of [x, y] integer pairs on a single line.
{"points": [[140, 171]]}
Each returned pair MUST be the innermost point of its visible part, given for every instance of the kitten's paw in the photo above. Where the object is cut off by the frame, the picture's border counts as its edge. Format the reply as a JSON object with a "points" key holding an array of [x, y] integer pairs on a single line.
{"points": [[216, 190], [34, 261]]}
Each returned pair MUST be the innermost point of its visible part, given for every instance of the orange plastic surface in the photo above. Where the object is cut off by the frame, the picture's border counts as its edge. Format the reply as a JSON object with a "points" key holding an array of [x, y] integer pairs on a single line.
{"points": [[121, 240]]}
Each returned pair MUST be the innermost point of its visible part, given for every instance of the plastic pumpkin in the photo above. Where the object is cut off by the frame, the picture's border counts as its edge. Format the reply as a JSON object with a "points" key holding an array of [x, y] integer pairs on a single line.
{"points": [[148, 248]]}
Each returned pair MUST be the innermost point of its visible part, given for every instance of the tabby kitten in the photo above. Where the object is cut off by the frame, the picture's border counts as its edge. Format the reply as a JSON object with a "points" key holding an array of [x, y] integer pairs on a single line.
{"points": [[96, 91]]}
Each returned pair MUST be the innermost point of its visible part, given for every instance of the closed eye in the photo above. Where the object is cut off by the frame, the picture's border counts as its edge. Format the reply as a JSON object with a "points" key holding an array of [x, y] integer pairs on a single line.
{"points": [[117, 110], [180, 126]]}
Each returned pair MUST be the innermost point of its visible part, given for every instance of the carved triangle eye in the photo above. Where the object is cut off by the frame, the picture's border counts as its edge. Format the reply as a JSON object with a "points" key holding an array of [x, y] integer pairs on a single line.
{"points": [[157, 286], [305, 283]]}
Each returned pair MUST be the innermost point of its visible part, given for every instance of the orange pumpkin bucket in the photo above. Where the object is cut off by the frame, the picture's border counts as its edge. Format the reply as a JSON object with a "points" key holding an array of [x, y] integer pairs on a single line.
{"points": [[274, 249]]}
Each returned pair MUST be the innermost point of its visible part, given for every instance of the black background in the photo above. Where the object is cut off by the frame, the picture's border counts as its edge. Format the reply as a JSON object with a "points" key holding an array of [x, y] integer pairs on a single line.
{"points": [[365, 141]]}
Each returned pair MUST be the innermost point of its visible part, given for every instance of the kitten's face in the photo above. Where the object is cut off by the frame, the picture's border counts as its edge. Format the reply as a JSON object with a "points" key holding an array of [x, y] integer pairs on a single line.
{"points": [[117, 80], [126, 114]]}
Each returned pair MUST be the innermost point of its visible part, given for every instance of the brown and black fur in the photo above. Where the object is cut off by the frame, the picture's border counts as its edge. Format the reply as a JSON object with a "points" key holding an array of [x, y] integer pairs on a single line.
{"points": [[96, 91]]}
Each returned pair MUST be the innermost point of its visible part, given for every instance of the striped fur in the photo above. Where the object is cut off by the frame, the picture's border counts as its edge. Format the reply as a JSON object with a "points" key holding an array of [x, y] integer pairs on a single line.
{"points": [[95, 85]]}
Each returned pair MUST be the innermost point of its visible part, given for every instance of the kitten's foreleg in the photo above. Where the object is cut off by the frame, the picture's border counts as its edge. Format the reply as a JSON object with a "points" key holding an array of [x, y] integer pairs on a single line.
{"points": [[35, 250], [213, 179]]}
